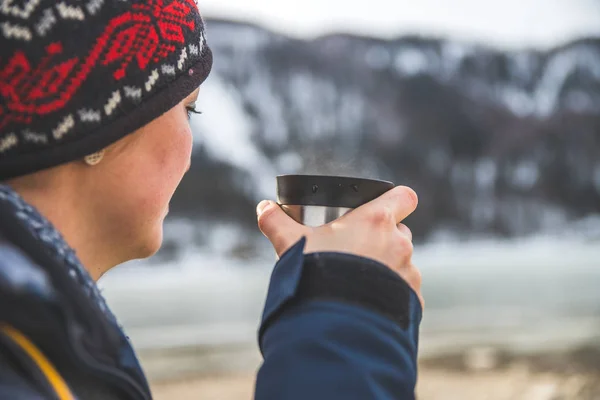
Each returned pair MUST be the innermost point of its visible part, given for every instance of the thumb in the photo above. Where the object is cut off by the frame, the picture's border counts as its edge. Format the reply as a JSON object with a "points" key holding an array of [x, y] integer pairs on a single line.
{"points": [[281, 230]]}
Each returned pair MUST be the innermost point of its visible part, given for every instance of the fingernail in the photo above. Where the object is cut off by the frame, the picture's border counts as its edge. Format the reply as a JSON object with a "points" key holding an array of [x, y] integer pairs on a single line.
{"points": [[262, 206]]}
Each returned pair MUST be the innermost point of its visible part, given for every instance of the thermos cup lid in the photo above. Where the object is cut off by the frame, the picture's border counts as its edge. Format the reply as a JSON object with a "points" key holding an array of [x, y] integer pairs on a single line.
{"points": [[329, 191]]}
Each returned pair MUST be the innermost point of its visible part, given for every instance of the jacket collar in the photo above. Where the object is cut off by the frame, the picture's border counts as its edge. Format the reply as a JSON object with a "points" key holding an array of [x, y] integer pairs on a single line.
{"points": [[50, 272], [46, 234]]}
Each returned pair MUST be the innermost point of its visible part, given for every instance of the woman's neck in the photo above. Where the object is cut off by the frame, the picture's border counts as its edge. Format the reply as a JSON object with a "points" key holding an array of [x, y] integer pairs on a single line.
{"points": [[66, 209]]}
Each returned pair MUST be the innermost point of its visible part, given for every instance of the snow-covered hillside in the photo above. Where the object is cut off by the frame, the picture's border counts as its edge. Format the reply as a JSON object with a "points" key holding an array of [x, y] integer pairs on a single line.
{"points": [[495, 142]]}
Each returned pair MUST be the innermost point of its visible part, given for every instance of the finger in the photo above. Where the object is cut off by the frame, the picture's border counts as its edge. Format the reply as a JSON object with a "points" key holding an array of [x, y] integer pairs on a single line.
{"points": [[399, 203], [414, 278], [281, 230], [405, 230]]}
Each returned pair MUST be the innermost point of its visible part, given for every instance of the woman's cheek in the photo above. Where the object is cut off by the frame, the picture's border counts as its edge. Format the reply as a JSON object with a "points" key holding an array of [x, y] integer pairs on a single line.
{"points": [[184, 152], [189, 144], [170, 160], [177, 161]]}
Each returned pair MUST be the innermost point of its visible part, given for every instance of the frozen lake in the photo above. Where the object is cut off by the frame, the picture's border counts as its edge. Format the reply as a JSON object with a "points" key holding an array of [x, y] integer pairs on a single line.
{"points": [[527, 294]]}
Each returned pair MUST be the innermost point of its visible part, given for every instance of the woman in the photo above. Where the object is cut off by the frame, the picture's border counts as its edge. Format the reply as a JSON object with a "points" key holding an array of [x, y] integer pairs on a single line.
{"points": [[94, 140]]}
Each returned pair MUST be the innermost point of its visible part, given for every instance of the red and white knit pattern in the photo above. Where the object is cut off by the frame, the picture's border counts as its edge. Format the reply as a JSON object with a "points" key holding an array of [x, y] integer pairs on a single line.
{"points": [[141, 46]]}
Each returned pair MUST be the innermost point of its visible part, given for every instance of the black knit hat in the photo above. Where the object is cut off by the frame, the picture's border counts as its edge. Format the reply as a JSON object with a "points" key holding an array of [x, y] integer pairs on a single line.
{"points": [[78, 75]]}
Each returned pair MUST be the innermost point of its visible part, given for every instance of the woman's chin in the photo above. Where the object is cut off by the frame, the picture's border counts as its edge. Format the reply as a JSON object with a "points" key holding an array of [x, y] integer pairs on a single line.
{"points": [[152, 244]]}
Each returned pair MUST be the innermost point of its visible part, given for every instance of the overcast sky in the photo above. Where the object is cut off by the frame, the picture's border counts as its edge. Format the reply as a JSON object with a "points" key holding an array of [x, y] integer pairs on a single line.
{"points": [[506, 23]]}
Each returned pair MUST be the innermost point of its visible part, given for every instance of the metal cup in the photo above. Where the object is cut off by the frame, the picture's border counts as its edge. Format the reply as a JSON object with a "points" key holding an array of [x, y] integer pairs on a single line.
{"points": [[315, 200]]}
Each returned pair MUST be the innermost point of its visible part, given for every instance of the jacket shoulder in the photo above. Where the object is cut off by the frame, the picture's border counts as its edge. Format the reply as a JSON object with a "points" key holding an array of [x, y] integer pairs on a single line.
{"points": [[20, 275]]}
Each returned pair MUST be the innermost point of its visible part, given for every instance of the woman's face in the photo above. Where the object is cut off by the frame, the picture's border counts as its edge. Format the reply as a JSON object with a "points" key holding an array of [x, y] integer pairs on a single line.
{"points": [[137, 178]]}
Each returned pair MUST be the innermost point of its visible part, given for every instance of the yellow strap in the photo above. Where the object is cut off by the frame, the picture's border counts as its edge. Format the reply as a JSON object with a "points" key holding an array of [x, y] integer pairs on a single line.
{"points": [[56, 381]]}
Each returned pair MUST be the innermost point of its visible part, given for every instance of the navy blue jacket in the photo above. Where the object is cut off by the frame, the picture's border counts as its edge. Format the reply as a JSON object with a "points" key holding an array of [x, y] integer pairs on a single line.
{"points": [[334, 326]]}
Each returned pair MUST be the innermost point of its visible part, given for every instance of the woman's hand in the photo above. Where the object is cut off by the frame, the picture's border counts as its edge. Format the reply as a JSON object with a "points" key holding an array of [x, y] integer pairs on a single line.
{"points": [[373, 230]]}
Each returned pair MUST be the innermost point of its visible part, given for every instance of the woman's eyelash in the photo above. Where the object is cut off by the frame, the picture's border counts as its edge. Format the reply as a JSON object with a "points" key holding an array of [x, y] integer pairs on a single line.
{"points": [[191, 109]]}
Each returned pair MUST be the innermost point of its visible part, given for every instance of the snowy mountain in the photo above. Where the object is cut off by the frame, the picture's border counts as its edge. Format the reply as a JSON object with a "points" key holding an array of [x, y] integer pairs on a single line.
{"points": [[502, 143]]}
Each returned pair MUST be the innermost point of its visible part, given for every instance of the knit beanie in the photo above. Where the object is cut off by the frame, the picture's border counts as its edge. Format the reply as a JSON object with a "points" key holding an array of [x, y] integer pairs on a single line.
{"points": [[78, 75]]}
